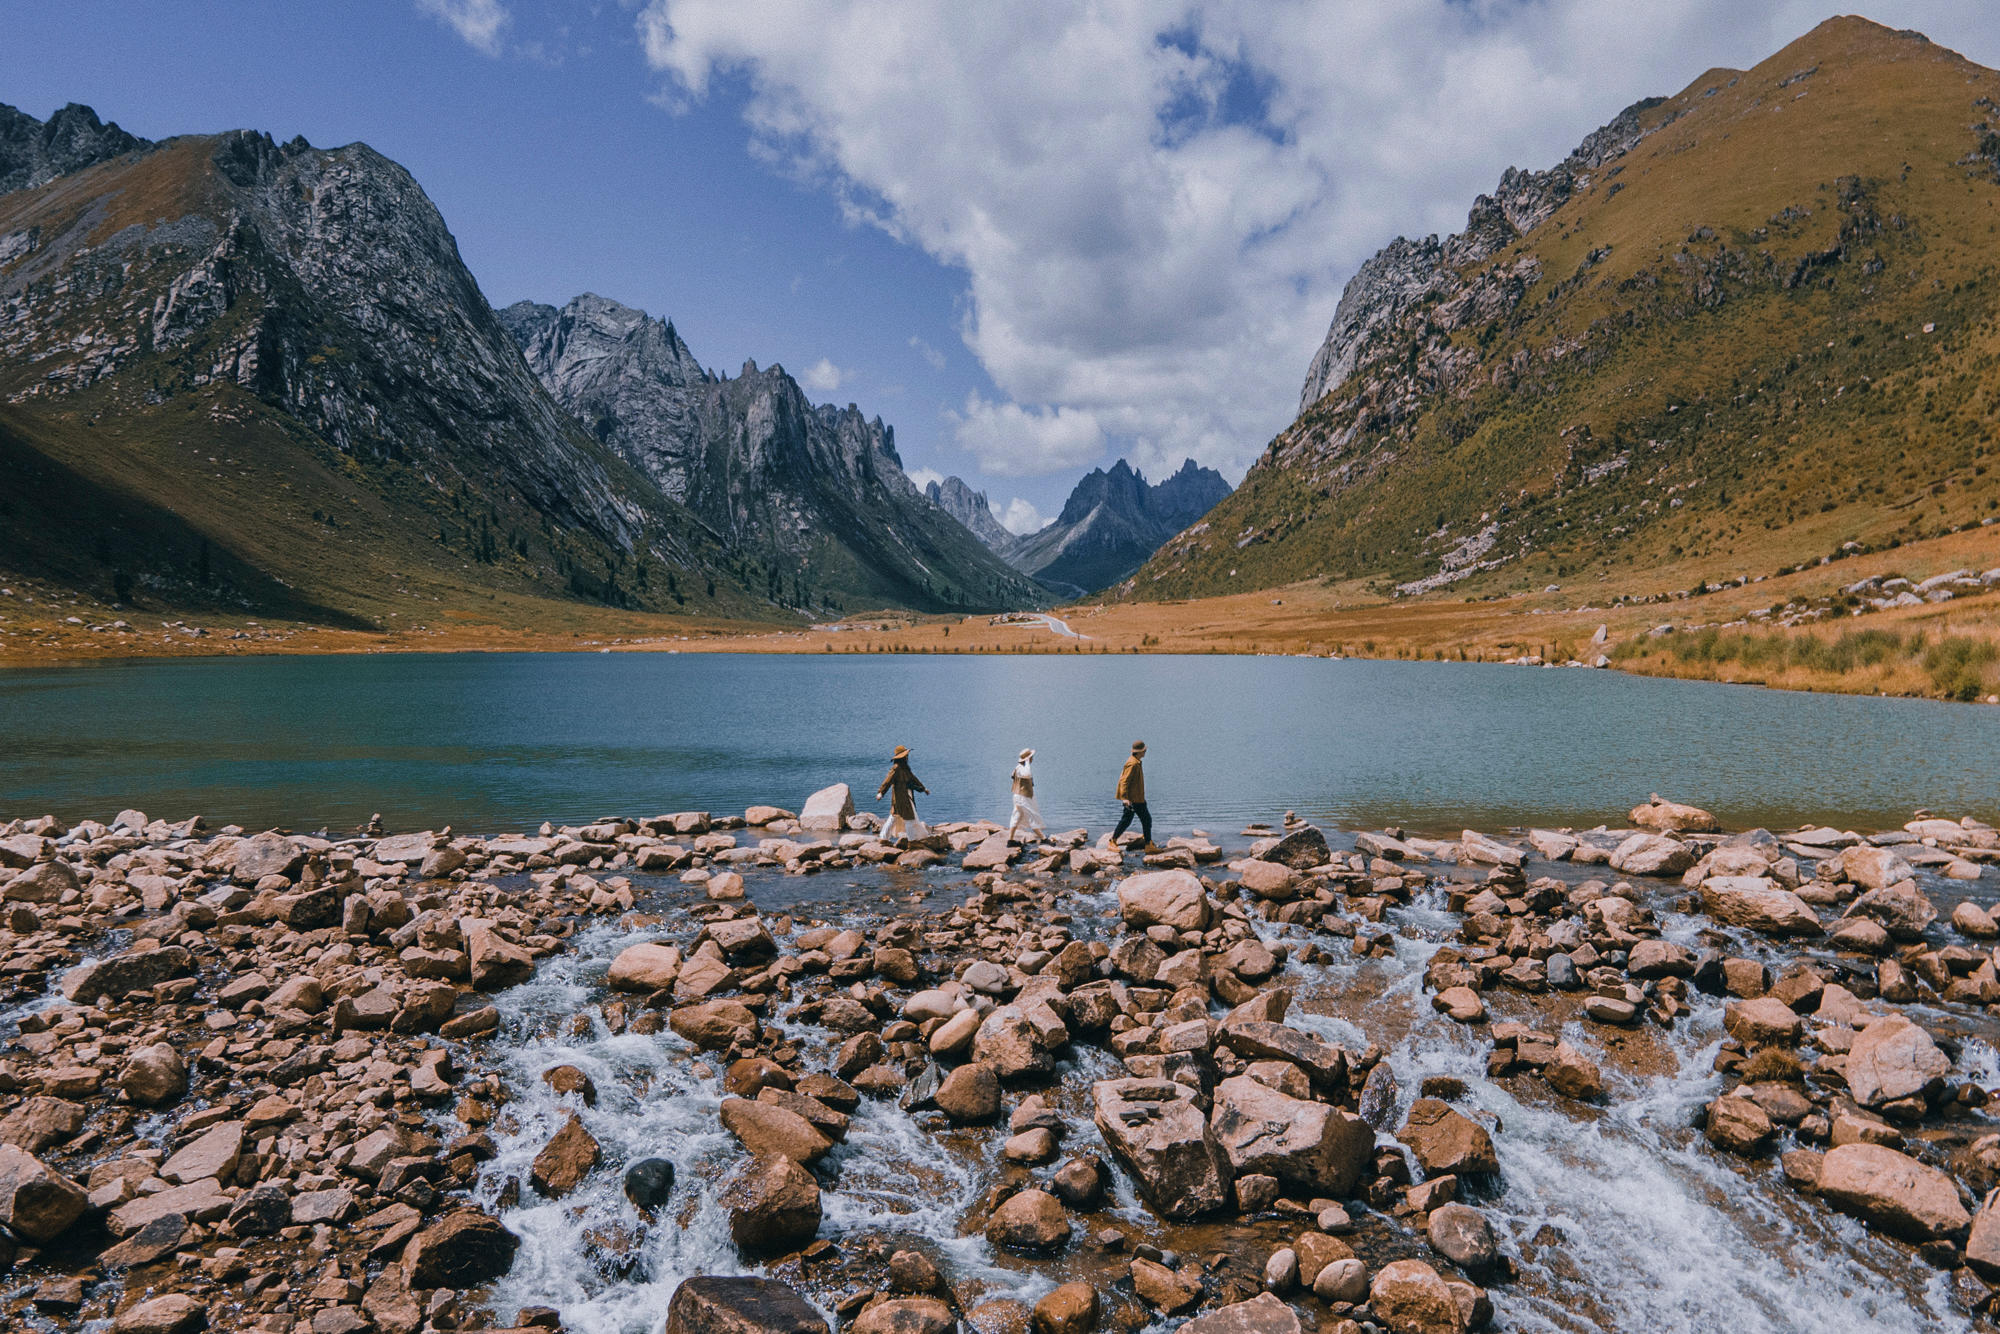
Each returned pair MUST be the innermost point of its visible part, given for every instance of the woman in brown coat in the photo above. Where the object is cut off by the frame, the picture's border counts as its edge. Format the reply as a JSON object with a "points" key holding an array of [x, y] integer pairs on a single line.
{"points": [[903, 786]]}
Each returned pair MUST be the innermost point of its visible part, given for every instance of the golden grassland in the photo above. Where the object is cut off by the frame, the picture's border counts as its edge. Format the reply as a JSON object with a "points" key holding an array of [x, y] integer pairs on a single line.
{"points": [[1949, 650]]}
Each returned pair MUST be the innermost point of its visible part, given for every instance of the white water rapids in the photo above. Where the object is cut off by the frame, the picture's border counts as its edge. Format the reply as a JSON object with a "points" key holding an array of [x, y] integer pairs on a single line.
{"points": [[1620, 1218]]}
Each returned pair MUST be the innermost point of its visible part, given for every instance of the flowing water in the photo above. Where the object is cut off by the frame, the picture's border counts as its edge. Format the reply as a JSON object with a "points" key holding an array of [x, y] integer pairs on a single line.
{"points": [[505, 741]]}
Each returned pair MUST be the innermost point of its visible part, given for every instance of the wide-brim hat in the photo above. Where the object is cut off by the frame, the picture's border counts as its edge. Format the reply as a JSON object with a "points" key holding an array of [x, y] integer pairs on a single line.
{"points": [[902, 753], [1028, 754], [1138, 748]]}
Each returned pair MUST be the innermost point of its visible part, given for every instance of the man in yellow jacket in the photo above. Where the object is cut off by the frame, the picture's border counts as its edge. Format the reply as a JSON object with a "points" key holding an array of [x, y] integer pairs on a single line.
{"points": [[1132, 791]]}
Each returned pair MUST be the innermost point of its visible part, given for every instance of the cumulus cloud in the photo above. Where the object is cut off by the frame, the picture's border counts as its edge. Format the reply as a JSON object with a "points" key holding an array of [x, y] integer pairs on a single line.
{"points": [[1009, 440], [479, 22], [923, 477], [1021, 518], [822, 377], [1155, 203]]}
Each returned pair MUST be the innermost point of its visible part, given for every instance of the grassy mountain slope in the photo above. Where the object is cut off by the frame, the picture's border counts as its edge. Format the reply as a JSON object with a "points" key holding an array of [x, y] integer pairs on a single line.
{"points": [[1767, 333]]}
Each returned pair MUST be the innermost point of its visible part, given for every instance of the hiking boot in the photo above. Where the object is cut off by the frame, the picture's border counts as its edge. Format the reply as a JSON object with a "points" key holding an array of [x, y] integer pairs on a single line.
{"points": [[1152, 847]]}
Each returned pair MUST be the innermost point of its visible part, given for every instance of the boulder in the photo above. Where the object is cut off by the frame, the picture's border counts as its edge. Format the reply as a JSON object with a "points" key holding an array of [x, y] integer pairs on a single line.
{"points": [[648, 966], [994, 854], [769, 1130], [715, 1304], [1738, 1125], [1872, 867], [262, 1211], [1262, 1314], [826, 810], [1660, 958], [1269, 880], [1258, 1040], [1409, 1297], [1029, 1220], [773, 1206], [154, 1075], [1982, 1247], [36, 1201], [1892, 1191], [212, 1154], [1477, 849], [1758, 904], [1447, 1142], [1164, 898], [1008, 1043], [497, 963], [1762, 1021], [1462, 1235], [265, 854], [1671, 817], [905, 1315], [1891, 1059], [713, 1025], [1072, 1308], [134, 970], [649, 1183], [175, 1313], [44, 882], [1901, 909], [1155, 1128], [461, 1250], [1310, 1145], [565, 1160], [970, 1095], [1651, 854]]}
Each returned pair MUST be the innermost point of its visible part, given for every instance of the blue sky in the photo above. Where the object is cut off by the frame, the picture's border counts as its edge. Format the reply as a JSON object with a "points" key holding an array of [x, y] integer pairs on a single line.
{"points": [[1032, 238]]}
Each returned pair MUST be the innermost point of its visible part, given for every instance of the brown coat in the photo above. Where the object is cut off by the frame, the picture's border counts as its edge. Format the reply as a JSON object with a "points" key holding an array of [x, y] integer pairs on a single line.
{"points": [[904, 784], [1132, 782]]}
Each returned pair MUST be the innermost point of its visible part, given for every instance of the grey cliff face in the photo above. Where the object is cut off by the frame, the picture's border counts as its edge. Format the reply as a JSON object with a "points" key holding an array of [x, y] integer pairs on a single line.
{"points": [[33, 153], [969, 507], [1405, 276], [814, 493]]}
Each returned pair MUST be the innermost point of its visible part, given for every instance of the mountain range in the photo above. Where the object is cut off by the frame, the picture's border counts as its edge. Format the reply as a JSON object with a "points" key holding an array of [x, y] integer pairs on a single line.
{"points": [[1742, 329], [258, 377]]}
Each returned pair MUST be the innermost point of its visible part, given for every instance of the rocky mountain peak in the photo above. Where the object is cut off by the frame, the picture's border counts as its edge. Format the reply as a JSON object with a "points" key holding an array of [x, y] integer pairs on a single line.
{"points": [[969, 507], [1112, 521], [33, 152]]}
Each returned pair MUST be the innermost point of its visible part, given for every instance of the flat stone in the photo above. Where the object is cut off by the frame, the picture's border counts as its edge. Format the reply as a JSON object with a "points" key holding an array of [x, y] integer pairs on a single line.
{"points": [[1892, 1191], [714, 1304]]}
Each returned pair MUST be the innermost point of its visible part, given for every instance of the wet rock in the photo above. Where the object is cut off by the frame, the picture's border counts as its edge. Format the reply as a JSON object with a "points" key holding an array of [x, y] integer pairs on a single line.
{"points": [[496, 963], [1281, 1270], [266, 854], [1262, 1314], [1738, 1125], [1759, 905], [45, 882], [1872, 867], [1306, 1144], [262, 1211], [1762, 1021], [1982, 1247], [1969, 919], [1652, 959], [1030, 1147], [713, 1304], [1008, 1043], [1861, 936], [1071, 1309], [767, 1129], [1269, 880], [1302, 849], [649, 1183], [1462, 1235], [1161, 1288], [1574, 1075], [1154, 1128], [1030, 1220], [461, 1250], [565, 1160], [1892, 1191], [1447, 1142], [1378, 1096], [175, 1313], [36, 1201], [773, 1205], [1893, 1058], [1079, 1183], [134, 970], [905, 1315], [1409, 1297], [648, 966], [1461, 1004], [1671, 817], [1342, 1280], [1651, 854], [1164, 898], [713, 1025], [1901, 909], [1259, 1039], [154, 1075], [970, 1095]]}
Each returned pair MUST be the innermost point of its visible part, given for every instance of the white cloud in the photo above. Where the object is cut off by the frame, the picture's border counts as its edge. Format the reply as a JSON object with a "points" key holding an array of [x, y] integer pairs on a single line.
{"points": [[477, 21], [928, 353], [1009, 440], [1021, 518], [1156, 202], [923, 477], [822, 377]]}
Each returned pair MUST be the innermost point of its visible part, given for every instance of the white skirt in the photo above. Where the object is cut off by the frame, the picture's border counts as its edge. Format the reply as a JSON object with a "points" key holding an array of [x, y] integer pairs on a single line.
{"points": [[898, 827], [1026, 814]]}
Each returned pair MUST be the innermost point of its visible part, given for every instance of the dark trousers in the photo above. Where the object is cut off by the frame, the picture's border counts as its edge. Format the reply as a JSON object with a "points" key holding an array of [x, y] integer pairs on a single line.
{"points": [[1133, 808]]}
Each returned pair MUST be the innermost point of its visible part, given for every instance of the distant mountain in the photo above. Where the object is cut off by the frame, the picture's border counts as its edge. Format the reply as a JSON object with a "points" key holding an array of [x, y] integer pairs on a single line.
{"points": [[811, 499], [969, 507], [258, 375], [1112, 522], [1738, 330]]}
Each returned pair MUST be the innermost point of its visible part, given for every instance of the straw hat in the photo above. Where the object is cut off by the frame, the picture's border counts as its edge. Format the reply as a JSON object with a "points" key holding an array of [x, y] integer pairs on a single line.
{"points": [[902, 753], [1028, 754], [1138, 748]]}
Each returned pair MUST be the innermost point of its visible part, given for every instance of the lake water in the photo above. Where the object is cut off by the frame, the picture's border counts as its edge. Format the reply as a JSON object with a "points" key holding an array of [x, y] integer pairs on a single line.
{"points": [[504, 741]]}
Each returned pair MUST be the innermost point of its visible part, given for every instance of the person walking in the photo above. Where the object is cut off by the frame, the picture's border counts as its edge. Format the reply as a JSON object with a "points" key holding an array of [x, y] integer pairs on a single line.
{"points": [[902, 785], [1027, 815], [1132, 791]]}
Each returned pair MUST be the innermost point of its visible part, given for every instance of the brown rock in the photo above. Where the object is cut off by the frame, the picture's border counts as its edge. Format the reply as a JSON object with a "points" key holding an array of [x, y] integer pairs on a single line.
{"points": [[1982, 1247], [713, 1304], [1031, 1220], [1893, 1058], [773, 1206], [1269, 880], [767, 1129], [565, 1160], [648, 966], [154, 1075], [134, 970], [1762, 1021], [1462, 1235], [1072, 1308], [175, 1313], [1574, 1075], [496, 962], [1305, 1144], [1410, 1298], [713, 1025], [1671, 817], [905, 1315], [1901, 909], [1154, 1127], [36, 1201], [1161, 1288], [1892, 1191], [1757, 903], [1738, 1125], [1262, 1314], [1164, 898], [1445, 1141], [460, 1250], [214, 1153]]}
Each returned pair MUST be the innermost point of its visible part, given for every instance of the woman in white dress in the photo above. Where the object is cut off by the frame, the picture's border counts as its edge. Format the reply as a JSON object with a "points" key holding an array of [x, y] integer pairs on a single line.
{"points": [[1027, 815]]}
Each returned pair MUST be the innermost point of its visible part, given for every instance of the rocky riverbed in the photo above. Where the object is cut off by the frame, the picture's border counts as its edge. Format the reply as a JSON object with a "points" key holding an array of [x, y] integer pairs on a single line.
{"points": [[767, 1072]]}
